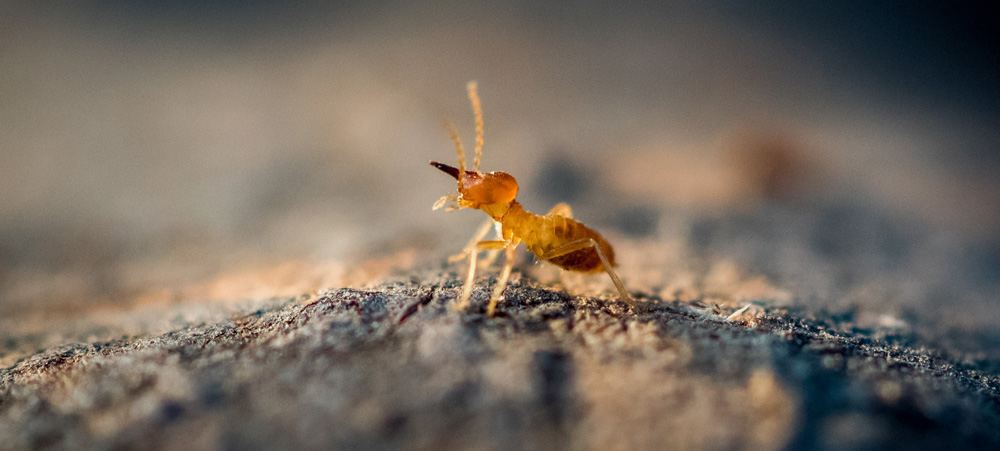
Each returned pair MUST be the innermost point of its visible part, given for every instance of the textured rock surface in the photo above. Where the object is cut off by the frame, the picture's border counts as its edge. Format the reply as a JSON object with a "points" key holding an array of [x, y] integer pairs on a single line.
{"points": [[395, 367]]}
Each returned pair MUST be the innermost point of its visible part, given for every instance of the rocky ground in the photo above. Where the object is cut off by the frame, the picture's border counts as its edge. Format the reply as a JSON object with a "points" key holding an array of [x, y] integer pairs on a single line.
{"points": [[720, 364]]}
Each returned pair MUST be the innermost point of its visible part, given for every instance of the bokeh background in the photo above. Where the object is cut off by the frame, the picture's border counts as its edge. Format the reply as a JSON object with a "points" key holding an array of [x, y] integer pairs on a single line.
{"points": [[846, 153]]}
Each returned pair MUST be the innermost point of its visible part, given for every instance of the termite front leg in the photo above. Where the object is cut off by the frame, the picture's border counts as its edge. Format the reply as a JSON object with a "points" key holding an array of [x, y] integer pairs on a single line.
{"points": [[492, 255], [469, 248], [502, 281], [473, 256], [590, 243]]}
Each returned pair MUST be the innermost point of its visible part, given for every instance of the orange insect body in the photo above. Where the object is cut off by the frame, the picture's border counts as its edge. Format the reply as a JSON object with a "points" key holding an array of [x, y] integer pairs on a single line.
{"points": [[554, 237], [543, 234]]}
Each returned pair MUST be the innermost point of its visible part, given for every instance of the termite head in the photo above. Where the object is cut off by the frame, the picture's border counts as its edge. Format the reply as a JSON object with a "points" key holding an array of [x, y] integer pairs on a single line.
{"points": [[476, 188]]}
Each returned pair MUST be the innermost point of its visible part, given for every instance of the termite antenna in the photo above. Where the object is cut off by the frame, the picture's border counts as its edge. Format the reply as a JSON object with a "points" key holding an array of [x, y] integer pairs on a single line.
{"points": [[453, 131], [477, 109]]}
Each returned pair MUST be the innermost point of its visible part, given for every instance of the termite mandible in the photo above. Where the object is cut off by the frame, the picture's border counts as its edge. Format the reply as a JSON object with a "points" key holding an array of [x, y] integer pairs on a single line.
{"points": [[554, 237]]}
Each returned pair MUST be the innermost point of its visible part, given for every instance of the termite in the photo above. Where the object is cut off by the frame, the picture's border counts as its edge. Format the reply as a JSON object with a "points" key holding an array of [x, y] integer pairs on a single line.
{"points": [[554, 237]]}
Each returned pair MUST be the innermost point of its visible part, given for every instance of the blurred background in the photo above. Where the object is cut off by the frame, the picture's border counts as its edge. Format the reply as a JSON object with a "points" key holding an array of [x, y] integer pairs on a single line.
{"points": [[846, 153]]}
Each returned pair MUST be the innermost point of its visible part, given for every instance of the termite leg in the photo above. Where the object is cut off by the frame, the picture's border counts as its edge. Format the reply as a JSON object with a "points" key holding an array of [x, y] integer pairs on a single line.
{"points": [[502, 281], [467, 290], [583, 244], [562, 209], [480, 233], [491, 256]]}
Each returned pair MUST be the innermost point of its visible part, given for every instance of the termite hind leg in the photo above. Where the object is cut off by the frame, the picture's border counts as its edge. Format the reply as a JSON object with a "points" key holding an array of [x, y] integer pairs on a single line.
{"points": [[463, 301], [562, 209], [502, 281], [583, 244]]}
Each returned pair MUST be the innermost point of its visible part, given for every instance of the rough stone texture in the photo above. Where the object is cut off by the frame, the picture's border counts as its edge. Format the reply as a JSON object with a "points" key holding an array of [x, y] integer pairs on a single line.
{"points": [[395, 368], [777, 327]]}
